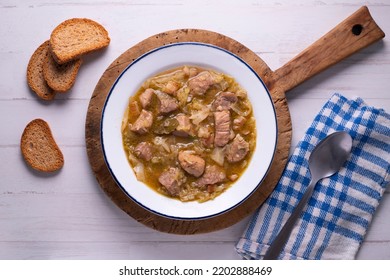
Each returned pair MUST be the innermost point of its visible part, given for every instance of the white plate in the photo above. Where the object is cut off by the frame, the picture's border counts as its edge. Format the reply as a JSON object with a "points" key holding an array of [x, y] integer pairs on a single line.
{"points": [[159, 60]]}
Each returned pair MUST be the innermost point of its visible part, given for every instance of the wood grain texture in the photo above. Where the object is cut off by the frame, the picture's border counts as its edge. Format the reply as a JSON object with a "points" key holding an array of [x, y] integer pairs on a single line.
{"points": [[353, 34], [144, 216], [68, 216], [316, 58]]}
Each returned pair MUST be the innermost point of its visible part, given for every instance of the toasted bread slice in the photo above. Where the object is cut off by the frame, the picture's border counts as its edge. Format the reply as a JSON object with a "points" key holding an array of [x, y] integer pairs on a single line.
{"points": [[39, 148], [60, 77], [35, 78], [75, 37]]}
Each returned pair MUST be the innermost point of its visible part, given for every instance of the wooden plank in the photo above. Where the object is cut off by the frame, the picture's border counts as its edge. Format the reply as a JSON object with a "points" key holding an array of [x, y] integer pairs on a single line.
{"points": [[66, 120], [64, 250], [75, 177], [279, 41], [148, 251], [374, 251], [119, 250], [88, 217], [82, 217]]}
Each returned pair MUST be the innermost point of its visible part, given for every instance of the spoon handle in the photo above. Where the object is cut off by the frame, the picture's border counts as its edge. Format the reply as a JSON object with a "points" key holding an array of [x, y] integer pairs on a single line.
{"points": [[281, 239]]}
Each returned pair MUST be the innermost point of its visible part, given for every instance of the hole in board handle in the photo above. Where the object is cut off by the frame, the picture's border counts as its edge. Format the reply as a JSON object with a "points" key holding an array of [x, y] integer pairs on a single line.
{"points": [[357, 29]]}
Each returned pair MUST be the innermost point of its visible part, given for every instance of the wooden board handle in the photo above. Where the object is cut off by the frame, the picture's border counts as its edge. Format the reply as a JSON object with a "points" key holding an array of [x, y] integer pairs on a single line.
{"points": [[356, 32]]}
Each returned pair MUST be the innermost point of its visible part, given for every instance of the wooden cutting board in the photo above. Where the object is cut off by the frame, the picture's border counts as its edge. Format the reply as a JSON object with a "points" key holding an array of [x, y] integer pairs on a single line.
{"points": [[353, 34]]}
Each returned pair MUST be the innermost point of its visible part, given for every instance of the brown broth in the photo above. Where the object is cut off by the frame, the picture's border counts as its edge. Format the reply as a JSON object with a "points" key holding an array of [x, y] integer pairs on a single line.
{"points": [[166, 147]]}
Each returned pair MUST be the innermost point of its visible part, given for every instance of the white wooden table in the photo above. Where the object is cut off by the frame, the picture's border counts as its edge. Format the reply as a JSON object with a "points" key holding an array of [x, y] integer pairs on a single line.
{"points": [[67, 216]]}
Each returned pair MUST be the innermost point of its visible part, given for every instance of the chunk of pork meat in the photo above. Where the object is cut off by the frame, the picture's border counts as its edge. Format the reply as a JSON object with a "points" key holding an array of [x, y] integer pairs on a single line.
{"points": [[212, 175], [201, 83], [146, 98], [172, 179], [134, 109], [144, 150], [222, 128], [143, 122], [167, 103], [237, 149], [191, 163], [185, 127], [224, 100]]}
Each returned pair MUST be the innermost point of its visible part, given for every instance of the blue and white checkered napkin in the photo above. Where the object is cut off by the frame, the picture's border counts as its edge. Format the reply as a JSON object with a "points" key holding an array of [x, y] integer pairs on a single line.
{"points": [[338, 214]]}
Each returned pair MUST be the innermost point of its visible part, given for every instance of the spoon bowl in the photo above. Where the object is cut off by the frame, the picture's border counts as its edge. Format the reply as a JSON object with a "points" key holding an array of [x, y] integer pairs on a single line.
{"points": [[329, 155]]}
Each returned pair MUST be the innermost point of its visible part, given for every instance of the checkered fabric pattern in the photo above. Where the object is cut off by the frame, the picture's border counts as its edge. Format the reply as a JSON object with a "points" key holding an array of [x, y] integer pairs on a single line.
{"points": [[334, 223]]}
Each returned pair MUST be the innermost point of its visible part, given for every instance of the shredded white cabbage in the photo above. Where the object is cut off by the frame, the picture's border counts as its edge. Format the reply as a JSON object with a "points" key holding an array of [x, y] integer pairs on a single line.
{"points": [[197, 116], [139, 171], [218, 155], [161, 141], [125, 120]]}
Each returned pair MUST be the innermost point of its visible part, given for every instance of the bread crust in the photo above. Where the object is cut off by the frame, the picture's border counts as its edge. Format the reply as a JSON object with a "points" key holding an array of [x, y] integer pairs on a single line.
{"points": [[60, 77], [39, 149], [35, 78], [76, 37]]}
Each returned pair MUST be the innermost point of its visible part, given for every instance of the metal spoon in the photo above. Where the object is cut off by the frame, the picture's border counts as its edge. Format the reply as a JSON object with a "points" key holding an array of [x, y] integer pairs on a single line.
{"points": [[325, 160]]}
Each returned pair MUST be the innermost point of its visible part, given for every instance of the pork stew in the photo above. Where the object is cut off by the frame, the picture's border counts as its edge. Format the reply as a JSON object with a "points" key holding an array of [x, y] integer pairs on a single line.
{"points": [[189, 133]]}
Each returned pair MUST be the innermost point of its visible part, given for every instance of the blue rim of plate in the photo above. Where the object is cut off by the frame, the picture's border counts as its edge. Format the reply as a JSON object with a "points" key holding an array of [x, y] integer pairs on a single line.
{"points": [[104, 151]]}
